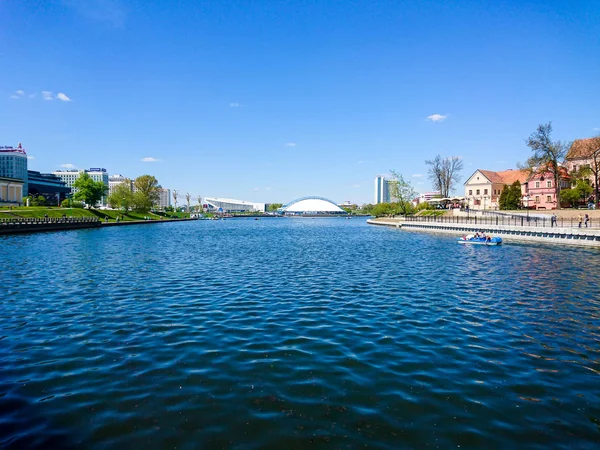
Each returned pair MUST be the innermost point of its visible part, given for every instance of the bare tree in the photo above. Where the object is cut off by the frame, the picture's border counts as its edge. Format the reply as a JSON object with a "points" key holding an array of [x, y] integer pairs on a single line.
{"points": [[548, 156], [444, 173], [593, 151], [188, 197], [175, 196]]}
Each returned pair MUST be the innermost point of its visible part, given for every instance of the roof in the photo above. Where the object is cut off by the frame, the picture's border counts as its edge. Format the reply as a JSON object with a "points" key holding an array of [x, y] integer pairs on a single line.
{"points": [[492, 176], [504, 177], [312, 204], [583, 148], [510, 176]]}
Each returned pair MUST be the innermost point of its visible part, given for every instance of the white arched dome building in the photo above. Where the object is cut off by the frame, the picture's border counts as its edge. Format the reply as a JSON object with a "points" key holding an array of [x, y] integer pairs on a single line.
{"points": [[311, 205]]}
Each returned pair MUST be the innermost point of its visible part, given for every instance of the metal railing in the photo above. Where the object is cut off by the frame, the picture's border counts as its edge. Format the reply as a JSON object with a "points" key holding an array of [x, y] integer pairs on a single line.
{"points": [[508, 220], [46, 220]]}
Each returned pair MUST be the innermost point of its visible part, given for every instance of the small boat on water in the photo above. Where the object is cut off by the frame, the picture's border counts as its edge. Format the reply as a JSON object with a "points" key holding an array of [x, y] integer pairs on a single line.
{"points": [[479, 240]]}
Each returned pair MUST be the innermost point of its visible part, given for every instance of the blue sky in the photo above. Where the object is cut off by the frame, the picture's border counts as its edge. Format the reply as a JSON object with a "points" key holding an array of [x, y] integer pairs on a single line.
{"points": [[273, 100]]}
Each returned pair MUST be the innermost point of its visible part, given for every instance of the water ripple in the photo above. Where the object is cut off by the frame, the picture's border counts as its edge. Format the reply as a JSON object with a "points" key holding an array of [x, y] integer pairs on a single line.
{"points": [[295, 334]]}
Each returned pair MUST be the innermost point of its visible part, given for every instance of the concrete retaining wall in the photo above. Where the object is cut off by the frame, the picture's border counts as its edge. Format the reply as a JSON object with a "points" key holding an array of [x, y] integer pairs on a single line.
{"points": [[566, 236]]}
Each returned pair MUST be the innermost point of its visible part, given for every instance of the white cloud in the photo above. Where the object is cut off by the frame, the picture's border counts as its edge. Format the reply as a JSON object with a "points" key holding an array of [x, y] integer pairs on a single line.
{"points": [[149, 159], [597, 129], [47, 95], [235, 105], [356, 185], [420, 183], [67, 166], [360, 162], [417, 175], [30, 157], [290, 144], [62, 97], [268, 188], [18, 94], [436, 117], [110, 11], [256, 189], [32, 95]]}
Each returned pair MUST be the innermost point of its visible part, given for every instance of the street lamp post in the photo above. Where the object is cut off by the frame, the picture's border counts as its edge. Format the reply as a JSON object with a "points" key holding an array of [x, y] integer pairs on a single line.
{"points": [[526, 203]]}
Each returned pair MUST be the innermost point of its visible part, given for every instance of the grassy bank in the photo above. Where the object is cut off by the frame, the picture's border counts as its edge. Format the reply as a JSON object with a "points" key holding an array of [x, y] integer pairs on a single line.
{"points": [[57, 212]]}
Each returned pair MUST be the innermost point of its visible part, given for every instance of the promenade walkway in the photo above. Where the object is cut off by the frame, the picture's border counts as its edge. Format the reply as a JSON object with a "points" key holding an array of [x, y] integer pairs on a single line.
{"points": [[515, 229]]}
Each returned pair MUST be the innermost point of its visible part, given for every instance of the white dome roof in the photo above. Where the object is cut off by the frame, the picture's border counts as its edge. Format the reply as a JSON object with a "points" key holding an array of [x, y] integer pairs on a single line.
{"points": [[313, 205]]}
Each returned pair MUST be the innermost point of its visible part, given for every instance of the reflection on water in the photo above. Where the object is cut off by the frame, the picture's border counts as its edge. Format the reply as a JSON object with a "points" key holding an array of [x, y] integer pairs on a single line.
{"points": [[293, 334]]}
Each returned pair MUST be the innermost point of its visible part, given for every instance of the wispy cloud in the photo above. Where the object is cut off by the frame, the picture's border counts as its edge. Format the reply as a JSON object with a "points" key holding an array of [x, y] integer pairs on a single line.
{"points": [[30, 157], [110, 11], [62, 97], [356, 185], [360, 162], [47, 95], [150, 159], [18, 94], [235, 105], [290, 144], [436, 117], [268, 188], [32, 95], [597, 129], [421, 183], [67, 166], [256, 189], [417, 175]]}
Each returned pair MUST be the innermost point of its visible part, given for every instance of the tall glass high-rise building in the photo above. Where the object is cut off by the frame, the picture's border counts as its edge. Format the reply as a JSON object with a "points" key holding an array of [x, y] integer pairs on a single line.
{"points": [[382, 190], [13, 164]]}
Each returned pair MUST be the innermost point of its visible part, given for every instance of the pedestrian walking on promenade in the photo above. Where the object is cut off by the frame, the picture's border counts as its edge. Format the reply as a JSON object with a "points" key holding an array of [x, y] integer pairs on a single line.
{"points": [[553, 220], [587, 219], [579, 219]]}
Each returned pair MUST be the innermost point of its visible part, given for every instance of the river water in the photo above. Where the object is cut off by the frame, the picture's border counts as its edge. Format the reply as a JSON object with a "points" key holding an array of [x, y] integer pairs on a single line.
{"points": [[295, 333]]}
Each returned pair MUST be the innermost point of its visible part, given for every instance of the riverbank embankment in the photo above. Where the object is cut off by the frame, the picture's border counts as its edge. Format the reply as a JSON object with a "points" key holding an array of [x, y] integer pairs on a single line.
{"points": [[20, 226], [587, 237]]}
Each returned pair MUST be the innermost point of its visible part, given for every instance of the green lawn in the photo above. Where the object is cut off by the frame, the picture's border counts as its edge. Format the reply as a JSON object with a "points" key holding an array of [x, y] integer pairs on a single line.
{"points": [[56, 211]]}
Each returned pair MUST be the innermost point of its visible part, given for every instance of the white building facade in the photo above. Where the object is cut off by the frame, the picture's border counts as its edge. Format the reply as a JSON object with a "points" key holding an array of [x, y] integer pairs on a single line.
{"points": [[115, 180], [97, 174], [164, 199], [216, 204]]}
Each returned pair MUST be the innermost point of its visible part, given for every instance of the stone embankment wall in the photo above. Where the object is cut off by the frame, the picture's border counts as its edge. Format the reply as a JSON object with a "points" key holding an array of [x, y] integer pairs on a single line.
{"points": [[556, 235], [16, 226], [35, 225]]}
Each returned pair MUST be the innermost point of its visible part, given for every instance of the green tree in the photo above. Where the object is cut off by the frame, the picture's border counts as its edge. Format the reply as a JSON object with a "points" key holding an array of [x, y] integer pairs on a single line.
{"points": [[570, 196], [503, 196], [121, 196], [401, 192], [275, 206], [548, 155], [147, 193], [382, 209], [87, 190], [367, 208]]}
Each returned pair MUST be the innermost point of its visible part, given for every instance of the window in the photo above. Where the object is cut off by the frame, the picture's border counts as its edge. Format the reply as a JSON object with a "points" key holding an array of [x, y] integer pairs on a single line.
{"points": [[485, 192], [574, 167], [537, 184], [549, 183], [477, 191], [537, 198], [470, 191], [548, 199]]}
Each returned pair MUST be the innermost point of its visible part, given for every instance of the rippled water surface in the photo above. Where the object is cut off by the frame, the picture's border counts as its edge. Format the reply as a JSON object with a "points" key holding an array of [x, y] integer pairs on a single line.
{"points": [[295, 333]]}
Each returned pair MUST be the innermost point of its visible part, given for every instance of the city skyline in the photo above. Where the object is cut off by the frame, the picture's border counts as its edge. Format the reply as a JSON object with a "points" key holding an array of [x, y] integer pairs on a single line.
{"points": [[269, 103]]}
